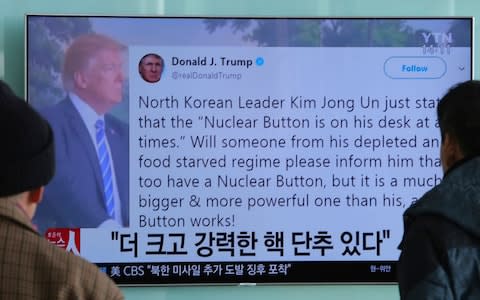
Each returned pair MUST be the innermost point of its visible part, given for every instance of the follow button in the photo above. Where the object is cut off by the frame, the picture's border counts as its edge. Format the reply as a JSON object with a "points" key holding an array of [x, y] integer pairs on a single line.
{"points": [[414, 67]]}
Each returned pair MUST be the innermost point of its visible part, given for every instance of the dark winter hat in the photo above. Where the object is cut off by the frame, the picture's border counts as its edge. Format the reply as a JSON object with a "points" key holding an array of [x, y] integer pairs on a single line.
{"points": [[26, 146]]}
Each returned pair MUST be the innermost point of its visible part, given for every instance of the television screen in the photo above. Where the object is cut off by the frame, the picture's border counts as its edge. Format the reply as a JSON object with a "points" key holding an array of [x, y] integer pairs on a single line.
{"points": [[220, 150]]}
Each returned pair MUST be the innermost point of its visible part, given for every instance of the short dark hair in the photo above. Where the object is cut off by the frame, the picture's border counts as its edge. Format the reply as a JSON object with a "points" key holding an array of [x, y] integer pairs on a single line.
{"points": [[458, 115]]}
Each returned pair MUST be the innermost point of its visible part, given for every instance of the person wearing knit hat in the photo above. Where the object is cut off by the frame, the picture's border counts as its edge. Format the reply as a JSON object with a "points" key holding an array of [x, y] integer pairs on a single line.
{"points": [[30, 266], [27, 153]]}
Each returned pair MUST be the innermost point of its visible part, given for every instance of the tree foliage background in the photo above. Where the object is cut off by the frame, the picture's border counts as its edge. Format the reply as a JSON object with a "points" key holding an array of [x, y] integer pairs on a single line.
{"points": [[46, 44], [335, 32], [47, 40]]}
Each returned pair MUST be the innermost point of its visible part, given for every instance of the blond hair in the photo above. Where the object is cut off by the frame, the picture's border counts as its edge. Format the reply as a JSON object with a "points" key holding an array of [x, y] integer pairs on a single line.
{"points": [[80, 53]]}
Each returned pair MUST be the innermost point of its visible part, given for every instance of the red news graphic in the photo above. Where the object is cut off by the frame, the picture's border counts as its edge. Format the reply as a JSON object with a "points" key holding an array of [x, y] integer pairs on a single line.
{"points": [[65, 238]]}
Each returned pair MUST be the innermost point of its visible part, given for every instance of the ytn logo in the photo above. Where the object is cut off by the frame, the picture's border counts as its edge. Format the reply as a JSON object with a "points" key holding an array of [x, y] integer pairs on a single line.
{"points": [[444, 38]]}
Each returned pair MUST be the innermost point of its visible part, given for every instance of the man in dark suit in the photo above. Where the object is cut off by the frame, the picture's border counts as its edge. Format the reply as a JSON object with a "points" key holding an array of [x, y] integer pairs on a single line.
{"points": [[91, 185], [32, 267]]}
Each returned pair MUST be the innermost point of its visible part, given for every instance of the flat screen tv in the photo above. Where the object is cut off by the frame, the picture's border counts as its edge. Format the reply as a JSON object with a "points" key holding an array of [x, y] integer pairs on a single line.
{"points": [[235, 150]]}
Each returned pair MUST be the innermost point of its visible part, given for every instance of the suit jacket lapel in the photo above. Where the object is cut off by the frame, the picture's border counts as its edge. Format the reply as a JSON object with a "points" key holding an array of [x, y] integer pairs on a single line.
{"points": [[81, 135]]}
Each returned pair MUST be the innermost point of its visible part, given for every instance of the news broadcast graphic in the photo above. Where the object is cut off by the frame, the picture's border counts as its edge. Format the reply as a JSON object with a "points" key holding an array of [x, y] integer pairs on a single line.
{"points": [[241, 150]]}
